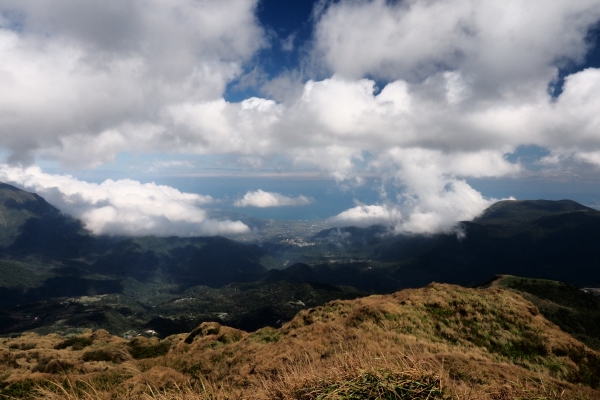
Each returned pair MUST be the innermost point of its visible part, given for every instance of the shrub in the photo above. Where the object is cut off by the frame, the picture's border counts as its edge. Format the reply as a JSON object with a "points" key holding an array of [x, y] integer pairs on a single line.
{"points": [[148, 351], [112, 355], [22, 346], [18, 390], [52, 366], [75, 342], [267, 335]]}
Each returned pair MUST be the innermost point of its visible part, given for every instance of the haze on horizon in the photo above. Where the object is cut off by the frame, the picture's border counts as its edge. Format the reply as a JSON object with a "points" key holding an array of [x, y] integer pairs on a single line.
{"points": [[418, 113]]}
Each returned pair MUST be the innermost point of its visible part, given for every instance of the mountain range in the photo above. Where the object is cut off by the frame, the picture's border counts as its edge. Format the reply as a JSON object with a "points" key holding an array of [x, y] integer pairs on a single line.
{"points": [[57, 277]]}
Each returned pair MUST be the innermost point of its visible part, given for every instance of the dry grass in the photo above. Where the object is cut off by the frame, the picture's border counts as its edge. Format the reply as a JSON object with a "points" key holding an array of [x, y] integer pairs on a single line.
{"points": [[437, 342]]}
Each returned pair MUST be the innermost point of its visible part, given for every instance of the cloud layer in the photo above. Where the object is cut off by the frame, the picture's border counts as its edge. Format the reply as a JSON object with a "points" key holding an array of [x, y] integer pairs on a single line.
{"points": [[94, 75], [124, 207], [465, 83], [262, 199]]}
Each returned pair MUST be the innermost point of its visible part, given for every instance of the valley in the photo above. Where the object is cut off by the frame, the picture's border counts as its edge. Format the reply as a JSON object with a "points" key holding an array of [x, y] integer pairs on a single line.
{"points": [[58, 278]]}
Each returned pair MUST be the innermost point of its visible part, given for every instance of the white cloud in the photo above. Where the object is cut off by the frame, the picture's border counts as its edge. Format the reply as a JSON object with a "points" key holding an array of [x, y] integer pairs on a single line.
{"points": [[433, 197], [262, 199], [287, 44], [591, 157], [429, 213], [123, 207], [496, 43], [367, 215], [89, 108], [87, 73]]}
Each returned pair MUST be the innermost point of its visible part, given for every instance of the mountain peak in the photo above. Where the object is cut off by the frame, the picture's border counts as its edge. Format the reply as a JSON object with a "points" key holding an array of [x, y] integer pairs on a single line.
{"points": [[16, 207], [507, 212]]}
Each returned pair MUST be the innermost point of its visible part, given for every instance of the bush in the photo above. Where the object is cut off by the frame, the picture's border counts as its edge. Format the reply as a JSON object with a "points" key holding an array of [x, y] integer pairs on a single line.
{"points": [[141, 351], [52, 366], [266, 335], [112, 355], [22, 346], [75, 342]]}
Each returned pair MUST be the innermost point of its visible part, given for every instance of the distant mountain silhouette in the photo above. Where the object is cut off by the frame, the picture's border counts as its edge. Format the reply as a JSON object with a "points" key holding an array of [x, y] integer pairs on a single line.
{"points": [[63, 259], [512, 212], [555, 240]]}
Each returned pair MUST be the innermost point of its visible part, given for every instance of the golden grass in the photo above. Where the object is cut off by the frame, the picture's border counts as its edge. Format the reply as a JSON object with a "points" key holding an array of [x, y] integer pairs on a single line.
{"points": [[437, 342]]}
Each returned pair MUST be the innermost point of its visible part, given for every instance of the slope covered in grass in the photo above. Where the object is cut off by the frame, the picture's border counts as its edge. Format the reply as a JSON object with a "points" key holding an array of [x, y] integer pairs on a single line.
{"points": [[437, 342], [574, 311]]}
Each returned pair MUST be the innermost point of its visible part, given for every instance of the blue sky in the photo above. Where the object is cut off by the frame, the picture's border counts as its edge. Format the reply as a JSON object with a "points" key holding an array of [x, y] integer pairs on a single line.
{"points": [[141, 117]]}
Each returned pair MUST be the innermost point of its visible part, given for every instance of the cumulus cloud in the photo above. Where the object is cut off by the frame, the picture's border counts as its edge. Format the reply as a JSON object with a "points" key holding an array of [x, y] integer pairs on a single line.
{"points": [[497, 44], [262, 199], [433, 196], [367, 215], [91, 73], [123, 207]]}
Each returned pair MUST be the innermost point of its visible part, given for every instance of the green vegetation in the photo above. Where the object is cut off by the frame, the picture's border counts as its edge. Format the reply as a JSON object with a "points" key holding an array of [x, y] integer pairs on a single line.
{"points": [[56, 277], [141, 348], [106, 354], [574, 311], [75, 342], [380, 384], [18, 390], [266, 335]]}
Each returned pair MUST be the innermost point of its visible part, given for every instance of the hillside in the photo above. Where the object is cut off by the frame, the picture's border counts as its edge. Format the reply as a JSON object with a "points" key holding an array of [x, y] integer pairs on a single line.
{"points": [[437, 342], [554, 240], [16, 208], [247, 306], [34, 232], [573, 310], [559, 246]]}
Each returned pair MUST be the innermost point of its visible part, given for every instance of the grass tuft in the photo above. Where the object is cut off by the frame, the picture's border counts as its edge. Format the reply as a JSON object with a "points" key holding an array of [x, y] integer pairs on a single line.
{"points": [[378, 384]]}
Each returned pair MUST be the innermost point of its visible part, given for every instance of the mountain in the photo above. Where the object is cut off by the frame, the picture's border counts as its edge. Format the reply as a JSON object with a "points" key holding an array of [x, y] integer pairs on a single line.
{"points": [[53, 269], [57, 277], [183, 309], [31, 226], [437, 342], [513, 212], [16, 208], [573, 310], [549, 240], [45, 254], [554, 240]]}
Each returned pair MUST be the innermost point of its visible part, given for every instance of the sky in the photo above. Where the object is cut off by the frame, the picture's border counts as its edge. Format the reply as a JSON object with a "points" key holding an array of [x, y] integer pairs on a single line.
{"points": [[144, 117]]}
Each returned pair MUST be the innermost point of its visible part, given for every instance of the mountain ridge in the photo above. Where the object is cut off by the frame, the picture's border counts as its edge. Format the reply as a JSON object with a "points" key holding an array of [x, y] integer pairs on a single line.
{"points": [[40, 271]]}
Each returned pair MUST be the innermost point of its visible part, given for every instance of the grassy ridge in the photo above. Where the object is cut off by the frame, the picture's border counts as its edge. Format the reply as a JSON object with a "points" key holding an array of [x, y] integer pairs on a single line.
{"points": [[571, 309], [441, 341]]}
